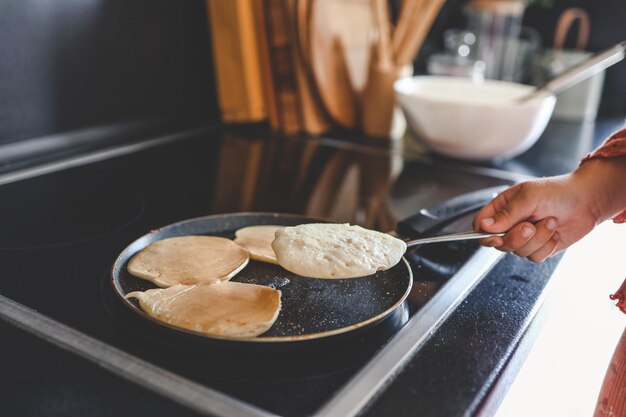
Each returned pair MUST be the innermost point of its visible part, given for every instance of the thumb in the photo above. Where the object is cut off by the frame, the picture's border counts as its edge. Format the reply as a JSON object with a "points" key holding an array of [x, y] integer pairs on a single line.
{"points": [[508, 210]]}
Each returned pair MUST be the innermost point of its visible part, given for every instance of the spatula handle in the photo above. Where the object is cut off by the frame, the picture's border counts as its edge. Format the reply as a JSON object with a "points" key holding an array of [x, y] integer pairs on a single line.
{"points": [[598, 62], [452, 237]]}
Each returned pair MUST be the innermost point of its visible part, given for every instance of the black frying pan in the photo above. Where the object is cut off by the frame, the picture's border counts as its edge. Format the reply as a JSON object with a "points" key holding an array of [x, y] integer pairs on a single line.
{"points": [[312, 309]]}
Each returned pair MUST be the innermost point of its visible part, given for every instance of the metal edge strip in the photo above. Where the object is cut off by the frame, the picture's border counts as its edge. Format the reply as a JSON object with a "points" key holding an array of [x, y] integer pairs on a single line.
{"points": [[371, 379], [489, 398], [489, 403], [165, 383], [96, 156]]}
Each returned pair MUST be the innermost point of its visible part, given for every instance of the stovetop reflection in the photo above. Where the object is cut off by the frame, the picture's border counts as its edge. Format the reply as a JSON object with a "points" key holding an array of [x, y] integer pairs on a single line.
{"points": [[61, 220]]}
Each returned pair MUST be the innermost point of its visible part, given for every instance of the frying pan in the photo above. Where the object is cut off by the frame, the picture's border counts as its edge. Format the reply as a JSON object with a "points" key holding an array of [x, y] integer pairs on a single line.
{"points": [[314, 311]]}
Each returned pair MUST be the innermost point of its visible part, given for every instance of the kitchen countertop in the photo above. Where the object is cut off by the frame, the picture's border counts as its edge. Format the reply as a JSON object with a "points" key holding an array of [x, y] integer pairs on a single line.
{"points": [[468, 363], [579, 329]]}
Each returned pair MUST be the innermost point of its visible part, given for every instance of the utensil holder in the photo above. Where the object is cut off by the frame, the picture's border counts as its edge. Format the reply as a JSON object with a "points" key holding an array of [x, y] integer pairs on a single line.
{"points": [[380, 115]]}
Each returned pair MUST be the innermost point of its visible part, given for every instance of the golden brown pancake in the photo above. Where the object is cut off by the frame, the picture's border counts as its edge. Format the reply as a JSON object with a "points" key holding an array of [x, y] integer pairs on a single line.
{"points": [[326, 250], [258, 241], [227, 309], [189, 260]]}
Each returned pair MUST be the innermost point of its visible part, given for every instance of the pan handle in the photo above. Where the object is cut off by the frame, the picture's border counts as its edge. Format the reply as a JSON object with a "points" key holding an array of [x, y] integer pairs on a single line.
{"points": [[429, 221]]}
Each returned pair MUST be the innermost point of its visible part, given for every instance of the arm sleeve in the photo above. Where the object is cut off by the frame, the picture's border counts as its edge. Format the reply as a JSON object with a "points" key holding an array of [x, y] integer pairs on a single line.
{"points": [[613, 146]]}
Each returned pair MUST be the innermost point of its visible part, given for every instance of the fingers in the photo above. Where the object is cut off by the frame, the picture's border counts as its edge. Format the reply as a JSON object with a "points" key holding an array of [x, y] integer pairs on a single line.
{"points": [[546, 250], [518, 237], [514, 239], [515, 212], [543, 233], [506, 210], [490, 209], [533, 241], [492, 242]]}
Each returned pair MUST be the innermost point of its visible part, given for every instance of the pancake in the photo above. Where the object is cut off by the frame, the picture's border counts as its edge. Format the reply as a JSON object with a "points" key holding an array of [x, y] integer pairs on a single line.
{"points": [[226, 309], [326, 250], [189, 260], [258, 241]]}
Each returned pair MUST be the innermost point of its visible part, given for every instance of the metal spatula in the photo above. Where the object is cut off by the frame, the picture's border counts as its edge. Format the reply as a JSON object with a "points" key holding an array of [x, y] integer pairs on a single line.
{"points": [[451, 237]]}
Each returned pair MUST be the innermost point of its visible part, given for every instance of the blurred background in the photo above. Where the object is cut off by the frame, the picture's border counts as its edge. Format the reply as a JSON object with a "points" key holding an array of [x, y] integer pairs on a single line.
{"points": [[68, 65]]}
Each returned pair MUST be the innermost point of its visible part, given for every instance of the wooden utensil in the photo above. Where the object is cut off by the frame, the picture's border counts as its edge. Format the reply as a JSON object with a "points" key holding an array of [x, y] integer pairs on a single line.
{"points": [[378, 103], [339, 48], [377, 100], [421, 23], [347, 65], [384, 55], [314, 119], [406, 20]]}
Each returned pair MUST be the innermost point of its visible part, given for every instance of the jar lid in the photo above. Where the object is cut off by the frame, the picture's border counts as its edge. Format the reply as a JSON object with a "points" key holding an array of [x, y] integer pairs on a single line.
{"points": [[511, 7]]}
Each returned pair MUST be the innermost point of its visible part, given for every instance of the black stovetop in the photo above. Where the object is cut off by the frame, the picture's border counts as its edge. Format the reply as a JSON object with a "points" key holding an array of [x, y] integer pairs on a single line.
{"points": [[62, 231]]}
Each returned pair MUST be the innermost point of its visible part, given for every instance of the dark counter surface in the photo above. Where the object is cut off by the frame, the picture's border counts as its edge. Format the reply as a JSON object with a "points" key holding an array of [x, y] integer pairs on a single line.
{"points": [[455, 373]]}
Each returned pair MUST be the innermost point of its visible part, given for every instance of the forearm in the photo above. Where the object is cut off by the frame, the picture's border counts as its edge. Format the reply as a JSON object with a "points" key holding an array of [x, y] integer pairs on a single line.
{"points": [[604, 180]]}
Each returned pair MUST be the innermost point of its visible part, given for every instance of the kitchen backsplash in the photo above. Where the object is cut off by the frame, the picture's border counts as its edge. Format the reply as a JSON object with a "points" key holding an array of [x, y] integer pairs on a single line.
{"points": [[69, 64]]}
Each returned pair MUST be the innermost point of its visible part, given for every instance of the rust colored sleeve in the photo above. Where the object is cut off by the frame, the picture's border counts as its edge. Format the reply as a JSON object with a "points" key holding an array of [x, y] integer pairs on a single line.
{"points": [[613, 146], [620, 296], [612, 401]]}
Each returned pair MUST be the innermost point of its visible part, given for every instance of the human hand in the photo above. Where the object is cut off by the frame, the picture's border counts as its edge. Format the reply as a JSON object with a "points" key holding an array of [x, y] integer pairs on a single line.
{"points": [[541, 217]]}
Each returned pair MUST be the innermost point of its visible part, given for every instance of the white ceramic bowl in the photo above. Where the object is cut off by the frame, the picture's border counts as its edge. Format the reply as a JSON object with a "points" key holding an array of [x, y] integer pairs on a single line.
{"points": [[476, 121]]}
